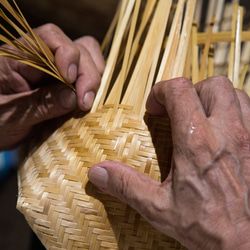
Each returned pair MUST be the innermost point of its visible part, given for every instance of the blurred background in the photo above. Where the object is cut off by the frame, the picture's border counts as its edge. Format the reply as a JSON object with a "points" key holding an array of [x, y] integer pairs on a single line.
{"points": [[76, 18]]}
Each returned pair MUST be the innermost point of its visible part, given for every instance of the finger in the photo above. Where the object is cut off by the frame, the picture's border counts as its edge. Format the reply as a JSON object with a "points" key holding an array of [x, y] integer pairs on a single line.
{"points": [[66, 53], [245, 107], [93, 47], [193, 139], [219, 98], [153, 106], [147, 196], [182, 103], [88, 80], [35, 106]]}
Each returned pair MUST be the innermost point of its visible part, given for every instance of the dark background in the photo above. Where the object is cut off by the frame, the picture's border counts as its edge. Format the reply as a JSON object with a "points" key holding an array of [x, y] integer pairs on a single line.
{"points": [[76, 18]]}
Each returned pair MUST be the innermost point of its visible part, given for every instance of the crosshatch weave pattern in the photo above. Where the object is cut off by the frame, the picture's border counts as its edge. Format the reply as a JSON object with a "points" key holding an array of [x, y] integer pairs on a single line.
{"points": [[68, 212]]}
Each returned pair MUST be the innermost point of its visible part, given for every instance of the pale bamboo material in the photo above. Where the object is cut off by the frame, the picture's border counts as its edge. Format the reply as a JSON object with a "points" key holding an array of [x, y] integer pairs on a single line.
{"points": [[149, 41]]}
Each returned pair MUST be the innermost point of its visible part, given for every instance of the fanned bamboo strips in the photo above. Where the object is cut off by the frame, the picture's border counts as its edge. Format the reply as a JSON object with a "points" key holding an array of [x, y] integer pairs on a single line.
{"points": [[119, 83], [146, 16], [135, 45], [232, 45], [32, 50], [206, 51], [114, 96], [35, 41], [113, 55], [152, 46], [239, 25], [184, 39], [172, 43]]}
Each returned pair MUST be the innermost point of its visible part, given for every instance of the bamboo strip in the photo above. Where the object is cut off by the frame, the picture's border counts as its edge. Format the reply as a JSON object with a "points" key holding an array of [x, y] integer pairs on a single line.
{"points": [[232, 46], [184, 40], [206, 50], [222, 36], [172, 43], [113, 55], [195, 55], [115, 95], [239, 24], [152, 46]]}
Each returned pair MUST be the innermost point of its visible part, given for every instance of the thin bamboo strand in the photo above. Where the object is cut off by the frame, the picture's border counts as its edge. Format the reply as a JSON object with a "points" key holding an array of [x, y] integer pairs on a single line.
{"points": [[141, 109], [184, 40], [232, 46], [195, 55], [206, 51], [187, 69], [239, 24]]}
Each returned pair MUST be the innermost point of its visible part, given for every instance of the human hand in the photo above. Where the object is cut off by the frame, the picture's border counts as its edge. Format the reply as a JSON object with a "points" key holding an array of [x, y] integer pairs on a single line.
{"points": [[204, 202], [26, 99]]}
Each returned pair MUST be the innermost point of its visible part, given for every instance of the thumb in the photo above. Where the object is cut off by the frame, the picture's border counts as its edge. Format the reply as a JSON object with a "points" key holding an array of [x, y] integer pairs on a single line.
{"points": [[142, 193]]}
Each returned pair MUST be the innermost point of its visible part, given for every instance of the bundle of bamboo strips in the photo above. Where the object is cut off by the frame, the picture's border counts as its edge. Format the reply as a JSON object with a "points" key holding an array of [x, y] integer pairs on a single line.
{"points": [[148, 41]]}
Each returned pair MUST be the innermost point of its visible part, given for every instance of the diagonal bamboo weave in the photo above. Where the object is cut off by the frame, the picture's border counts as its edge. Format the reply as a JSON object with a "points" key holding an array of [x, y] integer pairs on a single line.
{"points": [[151, 41]]}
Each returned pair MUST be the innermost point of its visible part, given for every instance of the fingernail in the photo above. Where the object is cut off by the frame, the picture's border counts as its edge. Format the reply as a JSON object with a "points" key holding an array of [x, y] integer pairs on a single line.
{"points": [[88, 99], [72, 73], [67, 98], [99, 177]]}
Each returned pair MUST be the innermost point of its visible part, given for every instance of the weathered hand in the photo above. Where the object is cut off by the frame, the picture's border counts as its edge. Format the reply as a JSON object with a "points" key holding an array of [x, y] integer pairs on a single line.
{"points": [[204, 202], [26, 99]]}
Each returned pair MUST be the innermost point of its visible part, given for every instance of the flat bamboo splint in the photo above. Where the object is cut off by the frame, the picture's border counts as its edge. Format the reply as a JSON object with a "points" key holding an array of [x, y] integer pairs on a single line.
{"points": [[151, 40]]}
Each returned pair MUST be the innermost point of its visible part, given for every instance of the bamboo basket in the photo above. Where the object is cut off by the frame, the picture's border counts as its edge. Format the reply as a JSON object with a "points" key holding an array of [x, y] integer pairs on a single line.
{"points": [[148, 41]]}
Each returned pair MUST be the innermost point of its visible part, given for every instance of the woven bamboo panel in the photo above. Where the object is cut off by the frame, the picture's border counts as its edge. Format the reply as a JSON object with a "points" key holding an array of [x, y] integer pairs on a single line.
{"points": [[68, 212], [154, 40]]}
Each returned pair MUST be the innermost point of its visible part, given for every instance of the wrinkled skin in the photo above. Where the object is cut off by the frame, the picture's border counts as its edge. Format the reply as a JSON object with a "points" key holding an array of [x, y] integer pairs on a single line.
{"points": [[204, 202], [25, 97]]}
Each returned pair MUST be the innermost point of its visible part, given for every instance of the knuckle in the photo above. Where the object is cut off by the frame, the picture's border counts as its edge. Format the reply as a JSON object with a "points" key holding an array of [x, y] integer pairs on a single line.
{"points": [[242, 137], [222, 83], [90, 41], [49, 27], [45, 103]]}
